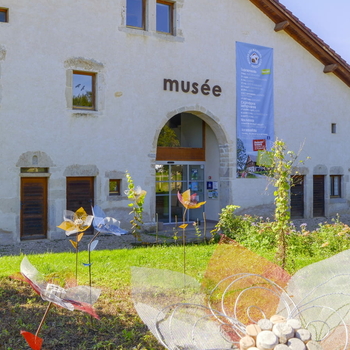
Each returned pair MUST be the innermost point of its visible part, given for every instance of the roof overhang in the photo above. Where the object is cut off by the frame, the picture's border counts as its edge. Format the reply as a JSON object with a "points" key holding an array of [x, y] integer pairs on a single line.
{"points": [[290, 24]]}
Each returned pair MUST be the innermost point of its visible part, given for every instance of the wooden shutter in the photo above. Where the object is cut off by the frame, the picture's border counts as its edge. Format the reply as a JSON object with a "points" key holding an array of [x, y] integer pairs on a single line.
{"points": [[80, 193], [318, 203], [297, 197], [33, 207]]}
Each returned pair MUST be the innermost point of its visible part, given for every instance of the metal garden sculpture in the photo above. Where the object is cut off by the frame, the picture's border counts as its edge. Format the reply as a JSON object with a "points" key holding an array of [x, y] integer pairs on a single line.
{"points": [[105, 225], [77, 298], [189, 202], [76, 223], [246, 302]]}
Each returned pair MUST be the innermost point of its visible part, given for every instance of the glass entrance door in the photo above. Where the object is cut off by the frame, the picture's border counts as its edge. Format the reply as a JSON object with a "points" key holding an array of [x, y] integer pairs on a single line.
{"points": [[171, 178]]}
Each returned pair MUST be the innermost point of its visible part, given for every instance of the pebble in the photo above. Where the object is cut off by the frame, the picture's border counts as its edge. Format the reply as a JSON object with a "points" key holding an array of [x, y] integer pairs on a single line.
{"points": [[265, 324], [281, 347], [253, 330], [266, 340], [283, 331], [303, 334], [294, 323], [296, 344], [246, 342], [277, 319]]}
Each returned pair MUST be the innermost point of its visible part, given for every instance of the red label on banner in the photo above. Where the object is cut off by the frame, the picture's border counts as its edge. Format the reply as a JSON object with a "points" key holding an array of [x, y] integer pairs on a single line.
{"points": [[259, 145]]}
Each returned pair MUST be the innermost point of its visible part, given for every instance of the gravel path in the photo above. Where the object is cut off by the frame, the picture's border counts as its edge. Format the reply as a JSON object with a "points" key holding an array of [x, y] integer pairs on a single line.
{"points": [[128, 241], [109, 242]]}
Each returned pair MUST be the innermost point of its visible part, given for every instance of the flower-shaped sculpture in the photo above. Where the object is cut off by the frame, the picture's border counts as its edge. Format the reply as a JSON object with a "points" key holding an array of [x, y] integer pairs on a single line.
{"points": [[105, 224], [76, 223], [77, 298], [189, 202], [102, 224], [245, 299]]}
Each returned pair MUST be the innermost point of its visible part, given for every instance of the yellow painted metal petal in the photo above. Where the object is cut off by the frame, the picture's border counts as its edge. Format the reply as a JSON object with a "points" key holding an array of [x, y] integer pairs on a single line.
{"points": [[80, 236], [196, 205], [186, 196], [183, 226], [81, 213], [74, 244], [67, 226]]}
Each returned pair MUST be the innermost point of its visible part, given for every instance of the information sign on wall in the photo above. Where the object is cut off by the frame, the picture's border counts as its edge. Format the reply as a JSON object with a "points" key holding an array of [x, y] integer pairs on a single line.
{"points": [[255, 107]]}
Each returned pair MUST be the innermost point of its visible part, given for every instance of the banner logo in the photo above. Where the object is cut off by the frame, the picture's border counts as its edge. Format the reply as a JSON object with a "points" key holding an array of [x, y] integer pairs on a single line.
{"points": [[254, 58]]}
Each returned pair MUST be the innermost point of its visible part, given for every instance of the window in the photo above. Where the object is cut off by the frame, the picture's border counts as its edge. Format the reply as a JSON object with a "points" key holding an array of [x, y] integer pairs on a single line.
{"points": [[165, 17], [34, 170], [4, 15], [83, 90], [334, 128], [114, 187], [135, 13], [336, 186]]}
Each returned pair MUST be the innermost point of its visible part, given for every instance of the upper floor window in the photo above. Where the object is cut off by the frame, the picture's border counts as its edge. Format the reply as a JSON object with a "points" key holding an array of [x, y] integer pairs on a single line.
{"points": [[164, 16], [114, 187], [84, 90], [335, 186], [4, 15], [135, 13]]}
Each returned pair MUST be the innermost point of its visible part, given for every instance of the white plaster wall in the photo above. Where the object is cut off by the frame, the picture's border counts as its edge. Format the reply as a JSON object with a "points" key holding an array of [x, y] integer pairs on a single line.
{"points": [[133, 107]]}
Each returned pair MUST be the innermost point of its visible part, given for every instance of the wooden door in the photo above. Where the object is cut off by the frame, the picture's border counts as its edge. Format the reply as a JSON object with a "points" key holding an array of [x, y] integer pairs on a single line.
{"points": [[80, 193], [33, 216], [297, 197], [318, 203]]}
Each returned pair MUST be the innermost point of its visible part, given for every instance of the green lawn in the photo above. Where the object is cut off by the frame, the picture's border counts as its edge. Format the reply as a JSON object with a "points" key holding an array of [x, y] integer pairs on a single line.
{"points": [[119, 326]]}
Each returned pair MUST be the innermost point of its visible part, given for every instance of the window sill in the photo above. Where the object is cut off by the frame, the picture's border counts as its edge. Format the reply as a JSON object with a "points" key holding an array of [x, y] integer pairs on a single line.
{"points": [[80, 113], [34, 174], [159, 35], [337, 200], [114, 198]]}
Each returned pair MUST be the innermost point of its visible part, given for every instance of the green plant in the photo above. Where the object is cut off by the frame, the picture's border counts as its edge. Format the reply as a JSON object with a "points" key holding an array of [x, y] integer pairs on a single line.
{"points": [[228, 223], [280, 173], [137, 197]]}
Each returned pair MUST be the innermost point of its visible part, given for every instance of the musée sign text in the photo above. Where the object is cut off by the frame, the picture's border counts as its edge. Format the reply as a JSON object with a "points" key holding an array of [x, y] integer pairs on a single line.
{"points": [[194, 88]]}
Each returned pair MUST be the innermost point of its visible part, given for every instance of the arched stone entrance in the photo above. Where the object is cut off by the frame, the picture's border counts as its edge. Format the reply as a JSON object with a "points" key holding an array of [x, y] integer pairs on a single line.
{"points": [[192, 152]]}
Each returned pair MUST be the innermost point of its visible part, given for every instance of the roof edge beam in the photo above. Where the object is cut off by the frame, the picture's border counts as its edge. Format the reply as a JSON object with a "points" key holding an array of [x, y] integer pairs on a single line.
{"points": [[330, 68], [281, 26]]}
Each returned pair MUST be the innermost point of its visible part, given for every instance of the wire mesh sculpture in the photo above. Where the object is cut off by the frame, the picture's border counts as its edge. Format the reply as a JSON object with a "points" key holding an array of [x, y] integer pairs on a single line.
{"points": [[218, 313]]}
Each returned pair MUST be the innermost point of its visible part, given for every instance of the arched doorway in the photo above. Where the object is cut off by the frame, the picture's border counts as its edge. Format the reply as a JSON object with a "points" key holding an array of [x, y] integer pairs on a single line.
{"points": [[188, 157]]}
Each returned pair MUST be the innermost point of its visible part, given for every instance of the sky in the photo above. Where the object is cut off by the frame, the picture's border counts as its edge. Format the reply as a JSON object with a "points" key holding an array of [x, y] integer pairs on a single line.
{"points": [[328, 19]]}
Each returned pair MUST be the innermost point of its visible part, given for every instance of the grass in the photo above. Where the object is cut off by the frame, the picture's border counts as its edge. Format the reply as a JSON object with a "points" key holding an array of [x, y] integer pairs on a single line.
{"points": [[119, 326]]}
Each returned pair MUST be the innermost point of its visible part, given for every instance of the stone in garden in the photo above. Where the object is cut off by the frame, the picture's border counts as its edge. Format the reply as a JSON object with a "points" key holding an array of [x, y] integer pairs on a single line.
{"points": [[296, 344], [246, 342], [294, 323], [252, 330], [265, 324], [303, 334], [283, 331], [277, 319], [266, 340], [281, 347], [313, 345]]}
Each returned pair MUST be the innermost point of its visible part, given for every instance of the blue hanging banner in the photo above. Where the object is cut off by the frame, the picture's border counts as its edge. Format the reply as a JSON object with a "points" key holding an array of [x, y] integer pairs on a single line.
{"points": [[255, 106]]}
